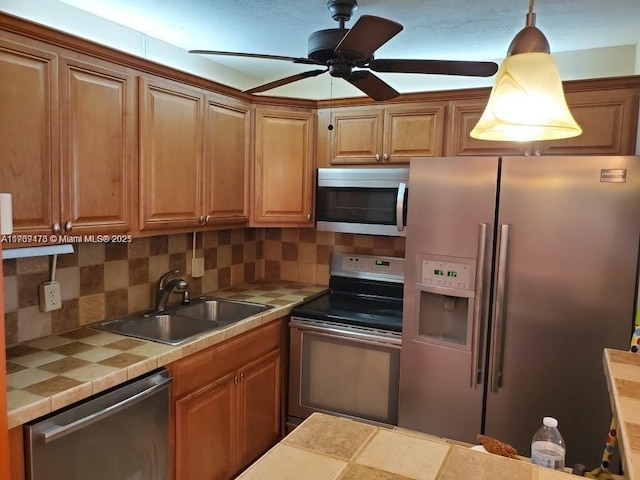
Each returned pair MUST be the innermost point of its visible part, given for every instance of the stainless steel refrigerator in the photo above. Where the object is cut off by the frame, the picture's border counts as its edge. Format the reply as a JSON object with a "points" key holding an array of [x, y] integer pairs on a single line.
{"points": [[519, 271]]}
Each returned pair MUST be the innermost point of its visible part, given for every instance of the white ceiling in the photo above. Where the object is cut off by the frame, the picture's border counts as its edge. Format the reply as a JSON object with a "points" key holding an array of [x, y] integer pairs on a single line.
{"points": [[452, 29]]}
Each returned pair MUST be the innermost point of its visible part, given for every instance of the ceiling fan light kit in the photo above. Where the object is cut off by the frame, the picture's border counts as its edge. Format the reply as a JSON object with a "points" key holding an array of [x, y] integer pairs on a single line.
{"points": [[349, 54], [527, 101]]}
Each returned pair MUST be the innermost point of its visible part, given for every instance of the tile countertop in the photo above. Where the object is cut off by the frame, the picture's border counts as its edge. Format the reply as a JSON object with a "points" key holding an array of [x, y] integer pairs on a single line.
{"points": [[52, 372], [324, 447], [622, 370]]}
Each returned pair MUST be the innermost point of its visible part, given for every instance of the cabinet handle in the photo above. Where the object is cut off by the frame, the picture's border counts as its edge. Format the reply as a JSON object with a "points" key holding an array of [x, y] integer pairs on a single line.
{"points": [[56, 228], [308, 216], [235, 379], [68, 226], [527, 153], [207, 218], [242, 377], [385, 158], [377, 157], [202, 220], [537, 153]]}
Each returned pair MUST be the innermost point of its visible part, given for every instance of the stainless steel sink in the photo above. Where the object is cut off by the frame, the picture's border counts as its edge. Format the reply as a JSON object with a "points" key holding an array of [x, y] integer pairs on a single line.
{"points": [[178, 324], [222, 311]]}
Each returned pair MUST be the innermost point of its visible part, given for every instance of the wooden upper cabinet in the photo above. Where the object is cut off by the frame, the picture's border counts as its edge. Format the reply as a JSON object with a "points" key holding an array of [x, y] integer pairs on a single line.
{"points": [[171, 125], [608, 119], [356, 136], [68, 140], [463, 116], [393, 134], [282, 193], [609, 124], [30, 132], [413, 131], [98, 146], [226, 158]]}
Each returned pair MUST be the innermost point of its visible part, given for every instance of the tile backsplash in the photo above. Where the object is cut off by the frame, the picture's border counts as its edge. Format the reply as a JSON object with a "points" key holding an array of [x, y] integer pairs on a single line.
{"points": [[100, 281]]}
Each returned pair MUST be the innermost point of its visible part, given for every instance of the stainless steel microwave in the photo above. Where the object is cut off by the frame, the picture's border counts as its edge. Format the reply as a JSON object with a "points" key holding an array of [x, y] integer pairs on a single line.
{"points": [[370, 201]]}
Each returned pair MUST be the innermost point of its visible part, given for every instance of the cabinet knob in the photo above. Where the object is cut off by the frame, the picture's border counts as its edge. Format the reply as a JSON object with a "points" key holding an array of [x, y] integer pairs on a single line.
{"points": [[527, 153], [207, 218], [377, 157], [385, 157], [68, 226], [202, 220], [308, 216], [242, 377], [537, 153], [55, 228], [235, 379]]}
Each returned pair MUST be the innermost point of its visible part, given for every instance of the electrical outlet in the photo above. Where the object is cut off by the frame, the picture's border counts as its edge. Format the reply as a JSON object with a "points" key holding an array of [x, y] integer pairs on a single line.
{"points": [[50, 298], [197, 267]]}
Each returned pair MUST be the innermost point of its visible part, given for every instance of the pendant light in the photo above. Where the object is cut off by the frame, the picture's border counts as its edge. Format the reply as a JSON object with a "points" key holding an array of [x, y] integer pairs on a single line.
{"points": [[527, 101]]}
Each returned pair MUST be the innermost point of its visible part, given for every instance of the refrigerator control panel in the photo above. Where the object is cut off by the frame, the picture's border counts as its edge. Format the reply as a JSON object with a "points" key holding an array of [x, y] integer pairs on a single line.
{"points": [[446, 274]]}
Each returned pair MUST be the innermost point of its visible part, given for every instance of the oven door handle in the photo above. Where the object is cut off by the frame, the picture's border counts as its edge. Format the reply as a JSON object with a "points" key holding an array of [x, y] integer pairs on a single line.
{"points": [[402, 188], [337, 332]]}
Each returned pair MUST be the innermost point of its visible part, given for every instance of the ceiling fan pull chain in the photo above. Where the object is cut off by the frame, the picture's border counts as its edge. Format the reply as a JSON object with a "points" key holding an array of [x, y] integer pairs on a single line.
{"points": [[330, 126]]}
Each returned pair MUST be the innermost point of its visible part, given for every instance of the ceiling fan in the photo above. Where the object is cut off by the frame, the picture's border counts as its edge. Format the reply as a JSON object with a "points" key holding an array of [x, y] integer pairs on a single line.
{"points": [[347, 52]]}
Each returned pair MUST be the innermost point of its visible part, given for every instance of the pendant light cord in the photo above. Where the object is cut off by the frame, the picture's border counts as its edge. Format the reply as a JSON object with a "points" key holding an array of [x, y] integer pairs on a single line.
{"points": [[531, 17]]}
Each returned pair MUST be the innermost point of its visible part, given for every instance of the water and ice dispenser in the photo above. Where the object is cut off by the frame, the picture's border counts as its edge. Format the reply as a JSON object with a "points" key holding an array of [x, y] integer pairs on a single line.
{"points": [[445, 308]]}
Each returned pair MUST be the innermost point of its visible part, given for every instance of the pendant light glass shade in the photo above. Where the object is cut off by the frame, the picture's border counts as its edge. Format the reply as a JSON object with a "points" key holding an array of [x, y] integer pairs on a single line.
{"points": [[527, 101]]}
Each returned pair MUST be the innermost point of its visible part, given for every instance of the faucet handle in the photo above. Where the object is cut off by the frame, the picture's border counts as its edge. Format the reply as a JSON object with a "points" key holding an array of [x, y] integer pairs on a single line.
{"points": [[165, 276]]}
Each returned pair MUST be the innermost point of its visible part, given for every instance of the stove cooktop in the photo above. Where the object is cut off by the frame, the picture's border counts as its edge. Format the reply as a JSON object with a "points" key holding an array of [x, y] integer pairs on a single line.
{"points": [[384, 314]]}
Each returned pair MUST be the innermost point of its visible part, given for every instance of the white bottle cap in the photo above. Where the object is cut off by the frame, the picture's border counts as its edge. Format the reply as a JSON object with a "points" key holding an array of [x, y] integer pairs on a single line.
{"points": [[550, 422]]}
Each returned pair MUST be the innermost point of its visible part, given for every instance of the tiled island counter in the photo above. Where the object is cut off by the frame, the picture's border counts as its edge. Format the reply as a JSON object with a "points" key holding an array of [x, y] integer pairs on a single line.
{"points": [[622, 370], [331, 448]]}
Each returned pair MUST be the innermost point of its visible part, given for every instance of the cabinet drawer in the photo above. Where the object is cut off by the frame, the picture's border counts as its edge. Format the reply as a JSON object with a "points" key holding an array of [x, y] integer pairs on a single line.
{"points": [[200, 369]]}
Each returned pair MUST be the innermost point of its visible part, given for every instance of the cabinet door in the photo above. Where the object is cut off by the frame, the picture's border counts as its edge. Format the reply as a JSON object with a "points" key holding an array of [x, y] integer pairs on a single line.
{"points": [[413, 132], [205, 426], [226, 159], [283, 168], [29, 136], [97, 146], [260, 389], [608, 119], [463, 117], [356, 137], [170, 155]]}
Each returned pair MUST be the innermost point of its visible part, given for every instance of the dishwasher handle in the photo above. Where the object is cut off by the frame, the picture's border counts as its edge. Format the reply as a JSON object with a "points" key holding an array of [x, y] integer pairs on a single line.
{"points": [[59, 431]]}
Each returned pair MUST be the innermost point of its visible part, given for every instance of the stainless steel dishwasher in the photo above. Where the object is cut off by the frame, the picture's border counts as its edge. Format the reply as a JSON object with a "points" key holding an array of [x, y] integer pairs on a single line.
{"points": [[122, 434]]}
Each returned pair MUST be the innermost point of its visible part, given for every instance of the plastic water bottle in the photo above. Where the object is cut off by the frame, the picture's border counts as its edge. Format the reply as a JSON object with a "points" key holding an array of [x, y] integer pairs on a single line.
{"points": [[547, 447]]}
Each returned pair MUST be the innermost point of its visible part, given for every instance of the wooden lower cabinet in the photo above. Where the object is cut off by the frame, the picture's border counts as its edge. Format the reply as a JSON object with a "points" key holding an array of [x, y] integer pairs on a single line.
{"points": [[226, 404], [16, 454]]}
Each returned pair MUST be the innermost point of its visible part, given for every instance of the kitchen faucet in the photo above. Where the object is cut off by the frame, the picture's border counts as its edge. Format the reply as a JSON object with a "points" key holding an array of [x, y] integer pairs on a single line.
{"points": [[167, 285]]}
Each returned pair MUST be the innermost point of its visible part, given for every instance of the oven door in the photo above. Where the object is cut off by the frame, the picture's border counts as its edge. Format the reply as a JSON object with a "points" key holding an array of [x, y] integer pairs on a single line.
{"points": [[350, 371]]}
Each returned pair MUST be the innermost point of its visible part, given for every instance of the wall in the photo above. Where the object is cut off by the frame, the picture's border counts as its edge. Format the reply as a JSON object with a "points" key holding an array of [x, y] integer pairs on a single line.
{"points": [[102, 281]]}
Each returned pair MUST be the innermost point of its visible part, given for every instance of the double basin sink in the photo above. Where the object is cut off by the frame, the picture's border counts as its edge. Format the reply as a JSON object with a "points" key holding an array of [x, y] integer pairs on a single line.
{"points": [[180, 323]]}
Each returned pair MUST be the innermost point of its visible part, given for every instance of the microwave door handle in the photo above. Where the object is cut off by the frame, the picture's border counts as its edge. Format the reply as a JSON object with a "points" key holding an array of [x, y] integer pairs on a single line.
{"points": [[402, 189]]}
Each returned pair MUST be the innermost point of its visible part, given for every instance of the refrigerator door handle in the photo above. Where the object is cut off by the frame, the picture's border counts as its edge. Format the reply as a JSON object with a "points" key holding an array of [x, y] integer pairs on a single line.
{"points": [[402, 188], [495, 378], [476, 371]]}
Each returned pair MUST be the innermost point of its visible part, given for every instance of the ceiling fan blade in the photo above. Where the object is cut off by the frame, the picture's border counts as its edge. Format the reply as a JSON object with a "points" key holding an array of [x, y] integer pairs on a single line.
{"points": [[367, 35], [372, 85], [437, 67], [285, 81], [257, 55]]}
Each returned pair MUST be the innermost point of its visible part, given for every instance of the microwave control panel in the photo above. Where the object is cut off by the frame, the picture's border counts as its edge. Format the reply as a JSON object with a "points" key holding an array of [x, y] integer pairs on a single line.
{"points": [[446, 274]]}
